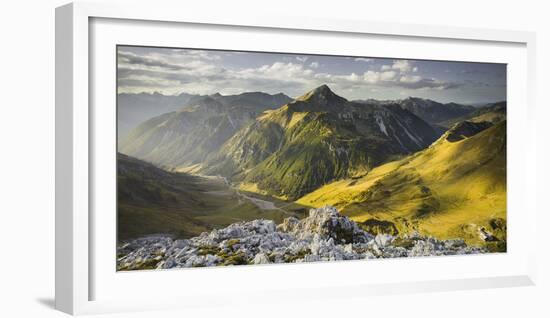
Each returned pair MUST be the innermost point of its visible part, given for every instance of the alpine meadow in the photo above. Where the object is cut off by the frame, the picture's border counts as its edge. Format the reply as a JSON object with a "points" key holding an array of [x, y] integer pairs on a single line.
{"points": [[237, 158]]}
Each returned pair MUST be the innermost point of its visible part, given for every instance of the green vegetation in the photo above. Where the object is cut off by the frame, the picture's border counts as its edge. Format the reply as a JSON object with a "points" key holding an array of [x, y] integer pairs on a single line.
{"points": [[310, 158], [145, 264], [448, 190], [320, 137], [319, 150], [376, 227], [205, 250], [300, 255], [151, 200], [402, 242], [234, 259]]}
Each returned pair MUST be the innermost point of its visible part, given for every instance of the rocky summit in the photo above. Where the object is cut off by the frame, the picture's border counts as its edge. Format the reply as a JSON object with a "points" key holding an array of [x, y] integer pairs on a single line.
{"points": [[324, 235]]}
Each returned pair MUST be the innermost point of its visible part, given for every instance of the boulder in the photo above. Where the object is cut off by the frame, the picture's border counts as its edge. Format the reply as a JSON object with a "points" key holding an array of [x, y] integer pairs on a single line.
{"points": [[383, 240], [288, 224], [261, 258], [195, 261], [329, 223], [211, 260], [486, 235]]}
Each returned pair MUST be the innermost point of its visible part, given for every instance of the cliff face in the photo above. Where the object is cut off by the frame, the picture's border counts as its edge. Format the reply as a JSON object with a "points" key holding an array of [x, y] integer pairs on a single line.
{"points": [[324, 235]]}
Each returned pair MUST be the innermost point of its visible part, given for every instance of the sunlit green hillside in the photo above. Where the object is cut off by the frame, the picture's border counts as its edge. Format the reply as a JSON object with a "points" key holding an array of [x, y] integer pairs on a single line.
{"points": [[318, 138], [451, 189]]}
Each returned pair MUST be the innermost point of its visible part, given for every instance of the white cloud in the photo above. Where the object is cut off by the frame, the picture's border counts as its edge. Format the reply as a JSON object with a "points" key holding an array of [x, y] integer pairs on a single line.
{"points": [[371, 77], [353, 77], [175, 71], [277, 70], [388, 76], [402, 65], [374, 77]]}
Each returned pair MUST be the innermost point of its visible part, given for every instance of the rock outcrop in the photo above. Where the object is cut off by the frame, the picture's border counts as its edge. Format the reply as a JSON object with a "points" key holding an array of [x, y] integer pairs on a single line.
{"points": [[324, 235]]}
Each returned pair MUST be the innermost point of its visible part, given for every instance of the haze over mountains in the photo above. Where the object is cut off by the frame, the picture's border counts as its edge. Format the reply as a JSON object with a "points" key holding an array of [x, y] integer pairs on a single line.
{"points": [[133, 109], [413, 163], [187, 135]]}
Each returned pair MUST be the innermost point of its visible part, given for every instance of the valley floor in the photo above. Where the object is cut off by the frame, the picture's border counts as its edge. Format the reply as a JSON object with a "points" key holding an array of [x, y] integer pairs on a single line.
{"points": [[182, 205]]}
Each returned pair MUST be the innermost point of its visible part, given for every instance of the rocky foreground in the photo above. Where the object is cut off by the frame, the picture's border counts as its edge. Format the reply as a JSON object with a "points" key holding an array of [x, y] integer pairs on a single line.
{"points": [[324, 235]]}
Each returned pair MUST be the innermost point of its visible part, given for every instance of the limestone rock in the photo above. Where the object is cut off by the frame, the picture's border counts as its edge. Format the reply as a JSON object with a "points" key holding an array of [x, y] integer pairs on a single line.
{"points": [[324, 235], [261, 258]]}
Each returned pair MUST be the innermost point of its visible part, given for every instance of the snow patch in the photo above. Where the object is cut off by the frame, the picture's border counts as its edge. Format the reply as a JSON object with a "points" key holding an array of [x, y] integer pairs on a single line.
{"points": [[381, 124], [231, 122]]}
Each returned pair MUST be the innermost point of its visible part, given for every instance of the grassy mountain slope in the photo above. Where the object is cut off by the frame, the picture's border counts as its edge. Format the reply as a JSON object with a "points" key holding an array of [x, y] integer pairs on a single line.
{"points": [[451, 189], [315, 139], [151, 200]]}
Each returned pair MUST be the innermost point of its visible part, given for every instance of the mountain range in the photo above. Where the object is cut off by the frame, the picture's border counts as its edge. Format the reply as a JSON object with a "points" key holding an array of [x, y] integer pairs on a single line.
{"points": [[392, 166], [315, 139], [429, 110], [186, 136]]}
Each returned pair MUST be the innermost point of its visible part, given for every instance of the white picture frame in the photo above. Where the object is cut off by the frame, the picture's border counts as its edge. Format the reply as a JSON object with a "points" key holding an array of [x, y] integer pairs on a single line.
{"points": [[76, 270]]}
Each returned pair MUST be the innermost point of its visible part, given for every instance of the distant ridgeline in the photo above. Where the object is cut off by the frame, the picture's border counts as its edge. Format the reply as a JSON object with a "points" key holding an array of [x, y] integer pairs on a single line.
{"points": [[392, 166]]}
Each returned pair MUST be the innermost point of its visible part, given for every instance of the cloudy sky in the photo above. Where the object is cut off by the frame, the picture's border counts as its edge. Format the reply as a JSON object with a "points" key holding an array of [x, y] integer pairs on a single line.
{"points": [[173, 71]]}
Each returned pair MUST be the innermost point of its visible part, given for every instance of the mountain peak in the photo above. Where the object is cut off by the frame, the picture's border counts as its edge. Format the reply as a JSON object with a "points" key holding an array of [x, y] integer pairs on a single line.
{"points": [[322, 94], [323, 91]]}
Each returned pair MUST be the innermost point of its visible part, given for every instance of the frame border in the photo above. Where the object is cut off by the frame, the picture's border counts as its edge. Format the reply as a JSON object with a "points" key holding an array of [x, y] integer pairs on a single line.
{"points": [[72, 165]]}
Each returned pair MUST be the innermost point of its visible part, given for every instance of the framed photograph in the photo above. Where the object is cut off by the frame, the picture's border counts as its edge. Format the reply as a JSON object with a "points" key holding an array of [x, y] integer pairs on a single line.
{"points": [[255, 158]]}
